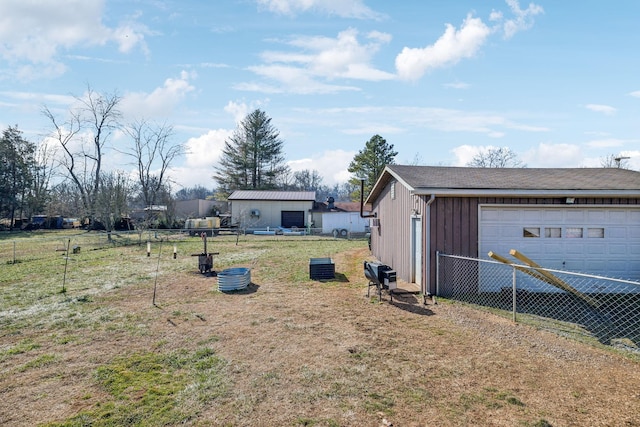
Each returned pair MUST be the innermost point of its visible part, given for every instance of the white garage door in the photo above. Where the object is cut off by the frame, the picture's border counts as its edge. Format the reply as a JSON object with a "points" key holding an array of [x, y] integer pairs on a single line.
{"points": [[596, 240]]}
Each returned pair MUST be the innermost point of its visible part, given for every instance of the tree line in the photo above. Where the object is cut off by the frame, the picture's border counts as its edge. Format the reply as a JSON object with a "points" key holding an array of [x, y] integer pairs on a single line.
{"points": [[253, 159], [66, 174]]}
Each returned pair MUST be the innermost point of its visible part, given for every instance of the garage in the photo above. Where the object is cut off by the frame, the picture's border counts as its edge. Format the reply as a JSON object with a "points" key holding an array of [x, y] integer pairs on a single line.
{"points": [[257, 210], [588, 239], [578, 219]]}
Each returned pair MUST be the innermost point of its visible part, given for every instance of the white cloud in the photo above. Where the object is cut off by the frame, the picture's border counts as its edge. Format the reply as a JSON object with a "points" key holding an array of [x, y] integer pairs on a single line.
{"points": [[161, 101], [599, 108], [607, 143], [395, 119], [340, 8], [340, 57], [129, 36], [547, 155], [449, 120], [634, 158], [457, 85], [42, 98], [205, 150], [213, 65], [453, 46], [543, 156], [373, 129], [202, 154], [495, 15], [380, 36], [34, 33], [317, 61], [240, 110], [465, 153], [332, 165], [290, 80], [635, 94], [523, 20]]}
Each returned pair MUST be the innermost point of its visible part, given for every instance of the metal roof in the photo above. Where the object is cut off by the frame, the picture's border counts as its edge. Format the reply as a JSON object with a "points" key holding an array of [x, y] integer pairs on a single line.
{"points": [[511, 181], [273, 195]]}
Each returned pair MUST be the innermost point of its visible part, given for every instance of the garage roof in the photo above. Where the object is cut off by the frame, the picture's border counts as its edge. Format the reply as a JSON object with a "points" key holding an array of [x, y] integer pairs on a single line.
{"points": [[273, 195], [511, 181]]}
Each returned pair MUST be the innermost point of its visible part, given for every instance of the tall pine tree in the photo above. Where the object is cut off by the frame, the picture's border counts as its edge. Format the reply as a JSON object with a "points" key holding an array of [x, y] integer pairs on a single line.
{"points": [[369, 163], [252, 157]]}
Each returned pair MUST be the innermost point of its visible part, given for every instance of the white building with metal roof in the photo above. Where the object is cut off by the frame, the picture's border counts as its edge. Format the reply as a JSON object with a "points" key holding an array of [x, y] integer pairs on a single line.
{"points": [[259, 210]]}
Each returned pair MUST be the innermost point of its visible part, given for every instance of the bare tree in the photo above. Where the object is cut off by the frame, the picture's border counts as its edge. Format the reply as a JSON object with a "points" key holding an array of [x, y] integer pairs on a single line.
{"points": [[43, 170], [615, 161], [82, 159], [153, 153], [111, 201], [501, 157], [307, 180]]}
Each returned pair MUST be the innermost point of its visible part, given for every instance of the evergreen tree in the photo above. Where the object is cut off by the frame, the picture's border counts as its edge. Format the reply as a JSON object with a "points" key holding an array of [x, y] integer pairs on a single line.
{"points": [[17, 164], [252, 157], [369, 163]]}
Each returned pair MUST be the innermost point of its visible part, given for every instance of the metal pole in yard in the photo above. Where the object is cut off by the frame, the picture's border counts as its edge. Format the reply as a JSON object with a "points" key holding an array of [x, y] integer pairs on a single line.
{"points": [[66, 262], [514, 294], [155, 284], [14, 252]]}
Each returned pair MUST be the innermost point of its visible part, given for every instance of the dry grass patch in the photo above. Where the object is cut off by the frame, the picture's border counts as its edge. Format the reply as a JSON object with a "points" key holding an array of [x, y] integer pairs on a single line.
{"points": [[287, 351]]}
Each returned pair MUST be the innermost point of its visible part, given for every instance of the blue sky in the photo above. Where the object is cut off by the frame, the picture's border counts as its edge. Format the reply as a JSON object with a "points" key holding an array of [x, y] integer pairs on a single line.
{"points": [[556, 82]]}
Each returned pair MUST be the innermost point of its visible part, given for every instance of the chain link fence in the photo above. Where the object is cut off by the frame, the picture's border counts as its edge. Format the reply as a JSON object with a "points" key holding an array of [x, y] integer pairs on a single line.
{"points": [[582, 306]]}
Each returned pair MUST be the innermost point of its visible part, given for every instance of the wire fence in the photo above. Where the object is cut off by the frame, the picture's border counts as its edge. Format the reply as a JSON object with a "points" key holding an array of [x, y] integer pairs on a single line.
{"points": [[582, 306], [24, 247], [43, 244]]}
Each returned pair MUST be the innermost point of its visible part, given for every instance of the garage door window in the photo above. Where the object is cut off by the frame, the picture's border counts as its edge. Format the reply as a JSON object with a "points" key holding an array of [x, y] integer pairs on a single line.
{"points": [[597, 233], [570, 232], [553, 232], [574, 232]]}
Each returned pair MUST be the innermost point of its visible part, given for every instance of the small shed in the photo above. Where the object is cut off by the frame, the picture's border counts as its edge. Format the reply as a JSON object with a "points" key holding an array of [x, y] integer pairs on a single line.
{"points": [[579, 219], [257, 210]]}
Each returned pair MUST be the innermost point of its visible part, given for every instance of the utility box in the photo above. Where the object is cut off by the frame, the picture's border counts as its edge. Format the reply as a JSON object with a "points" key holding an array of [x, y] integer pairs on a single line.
{"points": [[321, 269]]}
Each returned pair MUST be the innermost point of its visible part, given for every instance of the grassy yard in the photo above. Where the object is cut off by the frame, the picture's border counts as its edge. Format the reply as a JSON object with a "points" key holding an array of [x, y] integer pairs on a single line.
{"points": [[82, 343]]}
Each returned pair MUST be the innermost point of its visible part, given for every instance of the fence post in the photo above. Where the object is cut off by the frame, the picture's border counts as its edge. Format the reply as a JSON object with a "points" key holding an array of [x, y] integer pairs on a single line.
{"points": [[14, 252], [514, 293], [437, 273]]}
